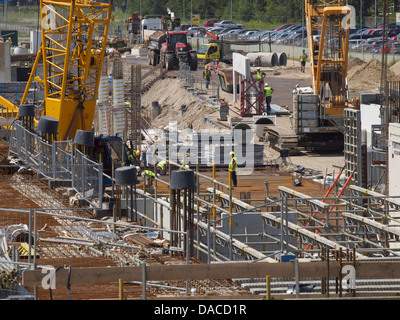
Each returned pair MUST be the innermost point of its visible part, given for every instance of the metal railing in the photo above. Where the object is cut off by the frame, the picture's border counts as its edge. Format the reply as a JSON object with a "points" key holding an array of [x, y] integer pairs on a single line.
{"points": [[58, 161], [198, 84]]}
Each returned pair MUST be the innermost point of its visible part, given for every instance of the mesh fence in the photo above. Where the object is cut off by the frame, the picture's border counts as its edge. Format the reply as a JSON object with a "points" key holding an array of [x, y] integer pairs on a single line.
{"points": [[57, 161], [198, 85]]}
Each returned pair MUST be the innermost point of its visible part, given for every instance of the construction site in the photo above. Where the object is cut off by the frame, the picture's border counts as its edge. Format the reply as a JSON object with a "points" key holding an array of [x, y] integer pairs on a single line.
{"points": [[116, 168]]}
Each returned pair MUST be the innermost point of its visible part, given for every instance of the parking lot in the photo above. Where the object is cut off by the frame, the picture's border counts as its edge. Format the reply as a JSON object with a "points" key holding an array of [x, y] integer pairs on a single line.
{"points": [[362, 38]]}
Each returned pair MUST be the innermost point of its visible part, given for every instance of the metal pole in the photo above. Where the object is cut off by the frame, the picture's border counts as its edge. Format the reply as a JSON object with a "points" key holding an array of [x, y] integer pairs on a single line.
{"points": [[208, 242], [296, 271], [34, 249], [144, 281], [30, 235], [183, 14]]}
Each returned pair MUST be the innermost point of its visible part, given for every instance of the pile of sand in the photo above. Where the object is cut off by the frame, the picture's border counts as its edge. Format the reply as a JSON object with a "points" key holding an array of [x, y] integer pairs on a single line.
{"points": [[171, 95], [355, 63], [368, 73], [396, 68]]}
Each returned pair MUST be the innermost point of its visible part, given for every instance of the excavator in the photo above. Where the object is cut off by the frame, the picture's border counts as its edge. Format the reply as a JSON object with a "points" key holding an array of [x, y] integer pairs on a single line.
{"points": [[73, 45], [318, 111]]}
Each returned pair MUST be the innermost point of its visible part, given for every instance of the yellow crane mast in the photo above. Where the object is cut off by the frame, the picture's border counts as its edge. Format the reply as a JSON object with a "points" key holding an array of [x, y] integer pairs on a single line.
{"points": [[74, 36]]}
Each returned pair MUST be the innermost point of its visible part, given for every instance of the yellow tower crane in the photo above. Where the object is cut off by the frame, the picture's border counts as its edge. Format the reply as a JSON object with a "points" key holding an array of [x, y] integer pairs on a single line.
{"points": [[74, 36]]}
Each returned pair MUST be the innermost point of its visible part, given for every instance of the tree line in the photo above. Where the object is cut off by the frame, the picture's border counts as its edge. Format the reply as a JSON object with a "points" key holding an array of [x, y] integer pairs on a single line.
{"points": [[242, 10]]}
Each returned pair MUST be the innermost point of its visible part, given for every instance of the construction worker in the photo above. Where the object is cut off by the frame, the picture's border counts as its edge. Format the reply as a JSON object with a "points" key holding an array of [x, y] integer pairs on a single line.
{"points": [[260, 74], [184, 166], [148, 177], [268, 97], [207, 75], [233, 167], [133, 156], [303, 59], [162, 167]]}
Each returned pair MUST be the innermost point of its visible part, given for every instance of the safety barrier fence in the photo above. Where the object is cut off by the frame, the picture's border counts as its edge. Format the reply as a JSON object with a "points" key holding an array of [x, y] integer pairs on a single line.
{"points": [[198, 84], [58, 161]]}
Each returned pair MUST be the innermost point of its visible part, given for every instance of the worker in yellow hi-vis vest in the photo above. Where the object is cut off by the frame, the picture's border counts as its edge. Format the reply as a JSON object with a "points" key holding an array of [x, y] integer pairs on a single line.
{"points": [[268, 97], [233, 167], [148, 177], [303, 60]]}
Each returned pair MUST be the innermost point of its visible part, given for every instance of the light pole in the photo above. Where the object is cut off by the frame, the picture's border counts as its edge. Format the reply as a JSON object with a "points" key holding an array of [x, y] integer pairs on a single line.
{"points": [[183, 12], [231, 11]]}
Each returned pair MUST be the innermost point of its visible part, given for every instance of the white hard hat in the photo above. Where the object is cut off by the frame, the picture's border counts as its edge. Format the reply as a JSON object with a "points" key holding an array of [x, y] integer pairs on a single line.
{"points": [[137, 168], [266, 85]]}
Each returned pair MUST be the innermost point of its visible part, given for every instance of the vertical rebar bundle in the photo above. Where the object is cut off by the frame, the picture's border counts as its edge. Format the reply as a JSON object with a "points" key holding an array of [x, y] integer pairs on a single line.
{"points": [[133, 118], [182, 208]]}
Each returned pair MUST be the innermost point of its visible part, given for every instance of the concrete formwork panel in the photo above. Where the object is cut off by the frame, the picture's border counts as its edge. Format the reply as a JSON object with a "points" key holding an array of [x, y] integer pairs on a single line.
{"points": [[394, 159]]}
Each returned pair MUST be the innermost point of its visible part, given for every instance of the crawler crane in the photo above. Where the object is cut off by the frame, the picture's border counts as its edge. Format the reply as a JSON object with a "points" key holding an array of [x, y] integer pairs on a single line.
{"points": [[318, 111]]}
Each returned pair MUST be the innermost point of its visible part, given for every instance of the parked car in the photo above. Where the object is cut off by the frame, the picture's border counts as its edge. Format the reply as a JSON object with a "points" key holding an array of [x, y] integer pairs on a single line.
{"points": [[228, 24], [260, 34], [393, 47], [226, 31], [247, 35], [285, 26], [195, 31], [211, 23]]}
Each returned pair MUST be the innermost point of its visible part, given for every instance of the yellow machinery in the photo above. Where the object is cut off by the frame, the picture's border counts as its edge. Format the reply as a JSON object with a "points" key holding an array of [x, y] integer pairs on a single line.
{"points": [[318, 111], [330, 20], [74, 37]]}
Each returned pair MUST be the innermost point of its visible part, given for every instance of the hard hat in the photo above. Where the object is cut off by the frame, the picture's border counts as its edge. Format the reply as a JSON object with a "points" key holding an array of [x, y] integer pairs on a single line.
{"points": [[266, 85], [258, 68], [231, 153], [137, 168], [137, 152]]}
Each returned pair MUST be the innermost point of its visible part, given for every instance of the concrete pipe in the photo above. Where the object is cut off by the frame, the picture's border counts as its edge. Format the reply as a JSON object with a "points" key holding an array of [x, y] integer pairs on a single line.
{"points": [[259, 126], [282, 59], [263, 59]]}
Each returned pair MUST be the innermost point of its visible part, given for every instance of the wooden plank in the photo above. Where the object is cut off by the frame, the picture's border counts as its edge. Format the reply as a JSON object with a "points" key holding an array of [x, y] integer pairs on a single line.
{"points": [[177, 272], [364, 270]]}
